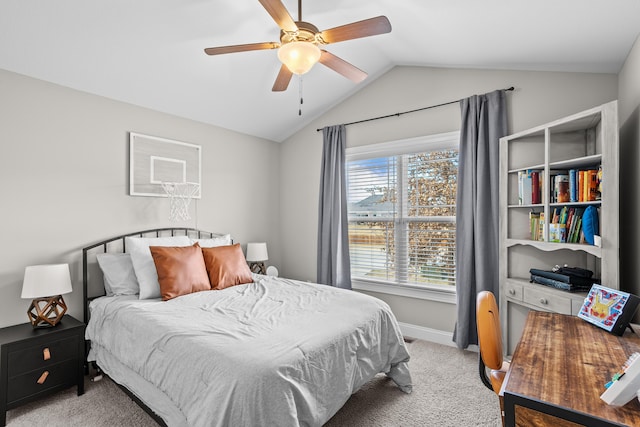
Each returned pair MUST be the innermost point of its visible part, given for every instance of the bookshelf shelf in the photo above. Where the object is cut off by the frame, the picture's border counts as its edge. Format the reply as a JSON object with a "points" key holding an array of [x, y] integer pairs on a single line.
{"points": [[577, 163], [536, 206], [553, 246], [559, 205], [539, 166], [583, 141]]}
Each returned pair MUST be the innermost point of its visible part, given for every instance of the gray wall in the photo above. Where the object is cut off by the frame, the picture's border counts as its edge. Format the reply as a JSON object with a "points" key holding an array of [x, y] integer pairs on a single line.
{"points": [[64, 181], [629, 113], [64, 165], [539, 97]]}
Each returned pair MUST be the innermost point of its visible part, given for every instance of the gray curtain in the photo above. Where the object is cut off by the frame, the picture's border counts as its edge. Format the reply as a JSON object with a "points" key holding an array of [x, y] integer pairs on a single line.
{"points": [[334, 266], [484, 122]]}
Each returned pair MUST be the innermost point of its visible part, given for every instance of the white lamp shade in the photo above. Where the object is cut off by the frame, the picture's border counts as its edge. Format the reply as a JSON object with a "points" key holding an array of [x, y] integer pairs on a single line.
{"points": [[46, 280], [299, 57], [257, 252]]}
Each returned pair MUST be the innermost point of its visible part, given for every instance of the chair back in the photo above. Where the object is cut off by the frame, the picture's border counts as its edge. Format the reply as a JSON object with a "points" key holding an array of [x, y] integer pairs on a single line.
{"points": [[489, 333]]}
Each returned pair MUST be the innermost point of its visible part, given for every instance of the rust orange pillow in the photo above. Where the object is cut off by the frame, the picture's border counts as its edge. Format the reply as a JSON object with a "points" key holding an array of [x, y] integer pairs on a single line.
{"points": [[226, 266], [181, 270]]}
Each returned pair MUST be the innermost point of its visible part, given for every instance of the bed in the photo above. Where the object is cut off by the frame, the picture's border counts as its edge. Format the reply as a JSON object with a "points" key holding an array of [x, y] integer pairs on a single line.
{"points": [[273, 351]]}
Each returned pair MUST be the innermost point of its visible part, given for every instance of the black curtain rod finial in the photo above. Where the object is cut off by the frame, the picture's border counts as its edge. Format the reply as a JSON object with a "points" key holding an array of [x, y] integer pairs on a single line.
{"points": [[410, 111]]}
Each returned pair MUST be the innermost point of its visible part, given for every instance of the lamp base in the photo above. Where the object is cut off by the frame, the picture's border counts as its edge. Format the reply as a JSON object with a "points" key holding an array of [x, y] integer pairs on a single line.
{"points": [[257, 267], [46, 312]]}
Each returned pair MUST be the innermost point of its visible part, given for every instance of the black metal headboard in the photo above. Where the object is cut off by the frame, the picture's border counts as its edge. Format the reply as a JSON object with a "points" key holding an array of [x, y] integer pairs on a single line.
{"points": [[117, 245]]}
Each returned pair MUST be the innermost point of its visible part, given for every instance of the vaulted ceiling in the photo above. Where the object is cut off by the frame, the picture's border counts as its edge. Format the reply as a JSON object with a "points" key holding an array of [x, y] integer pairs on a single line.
{"points": [[151, 52]]}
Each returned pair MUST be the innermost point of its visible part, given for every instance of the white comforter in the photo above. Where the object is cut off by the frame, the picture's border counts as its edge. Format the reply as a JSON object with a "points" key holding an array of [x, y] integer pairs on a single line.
{"points": [[276, 352]]}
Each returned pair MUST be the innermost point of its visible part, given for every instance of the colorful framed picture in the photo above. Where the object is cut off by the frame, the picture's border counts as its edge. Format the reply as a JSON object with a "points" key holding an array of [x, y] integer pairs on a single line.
{"points": [[609, 309]]}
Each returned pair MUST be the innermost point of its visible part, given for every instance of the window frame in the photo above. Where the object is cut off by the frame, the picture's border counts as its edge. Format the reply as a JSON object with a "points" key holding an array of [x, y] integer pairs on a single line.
{"points": [[434, 142]]}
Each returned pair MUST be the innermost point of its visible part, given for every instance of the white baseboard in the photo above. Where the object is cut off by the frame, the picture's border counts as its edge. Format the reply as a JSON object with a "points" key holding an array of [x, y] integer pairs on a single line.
{"points": [[429, 334]]}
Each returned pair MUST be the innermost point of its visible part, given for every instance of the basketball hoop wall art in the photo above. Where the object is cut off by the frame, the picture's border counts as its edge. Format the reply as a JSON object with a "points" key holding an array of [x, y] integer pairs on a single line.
{"points": [[154, 161]]}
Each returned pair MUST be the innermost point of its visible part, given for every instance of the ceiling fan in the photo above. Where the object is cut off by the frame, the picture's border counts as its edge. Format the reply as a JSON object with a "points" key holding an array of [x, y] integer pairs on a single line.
{"points": [[299, 50]]}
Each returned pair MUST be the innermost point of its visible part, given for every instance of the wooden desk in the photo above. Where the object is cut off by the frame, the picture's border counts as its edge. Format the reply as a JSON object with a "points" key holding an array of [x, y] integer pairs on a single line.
{"points": [[558, 372]]}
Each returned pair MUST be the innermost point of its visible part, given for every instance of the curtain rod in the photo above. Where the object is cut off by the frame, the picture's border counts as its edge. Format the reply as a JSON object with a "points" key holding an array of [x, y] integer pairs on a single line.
{"points": [[410, 111]]}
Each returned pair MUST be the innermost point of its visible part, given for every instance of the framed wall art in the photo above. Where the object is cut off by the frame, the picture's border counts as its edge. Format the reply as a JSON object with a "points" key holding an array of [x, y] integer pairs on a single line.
{"points": [[154, 161]]}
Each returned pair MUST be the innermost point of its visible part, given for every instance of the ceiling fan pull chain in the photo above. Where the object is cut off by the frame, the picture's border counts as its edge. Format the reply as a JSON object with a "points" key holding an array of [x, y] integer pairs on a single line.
{"points": [[301, 100]]}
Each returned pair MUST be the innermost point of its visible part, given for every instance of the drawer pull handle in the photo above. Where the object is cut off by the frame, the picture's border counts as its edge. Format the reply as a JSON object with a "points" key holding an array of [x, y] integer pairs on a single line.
{"points": [[43, 377], [543, 301], [512, 291], [46, 354]]}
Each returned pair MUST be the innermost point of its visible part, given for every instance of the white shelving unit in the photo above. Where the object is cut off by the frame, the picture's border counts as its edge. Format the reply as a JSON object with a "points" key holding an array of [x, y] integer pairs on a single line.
{"points": [[582, 141]]}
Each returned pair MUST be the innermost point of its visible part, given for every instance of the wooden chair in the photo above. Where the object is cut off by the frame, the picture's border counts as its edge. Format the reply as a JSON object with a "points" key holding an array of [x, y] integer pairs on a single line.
{"points": [[490, 343]]}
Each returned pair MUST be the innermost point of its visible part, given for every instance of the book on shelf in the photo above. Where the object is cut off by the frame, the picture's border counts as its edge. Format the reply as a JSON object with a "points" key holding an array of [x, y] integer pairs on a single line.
{"points": [[524, 187], [573, 182], [557, 233], [565, 225], [593, 185], [534, 224], [588, 185], [529, 187], [575, 185], [541, 230], [535, 188], [561, 188], [563, 277], [560, 223], [551, 186], [599, 183], [558, 284]]}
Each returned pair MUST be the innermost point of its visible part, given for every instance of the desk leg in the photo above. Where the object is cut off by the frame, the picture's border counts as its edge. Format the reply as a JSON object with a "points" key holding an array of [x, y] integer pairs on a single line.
{"points": [[509, 410]]}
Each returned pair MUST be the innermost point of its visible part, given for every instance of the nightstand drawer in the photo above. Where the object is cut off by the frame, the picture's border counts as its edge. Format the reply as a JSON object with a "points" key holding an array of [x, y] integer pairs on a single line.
{"points": [[43, 355], [26, 385]]}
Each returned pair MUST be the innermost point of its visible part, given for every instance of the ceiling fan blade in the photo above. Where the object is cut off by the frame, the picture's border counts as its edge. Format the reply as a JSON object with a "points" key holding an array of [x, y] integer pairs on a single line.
{"points": [[283, 79], [341, 66], [241, 48], [356, 30], [279, 14]]}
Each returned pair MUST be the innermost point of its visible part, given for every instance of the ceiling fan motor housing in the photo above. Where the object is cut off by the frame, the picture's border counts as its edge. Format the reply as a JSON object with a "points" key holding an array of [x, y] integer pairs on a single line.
{"points": [[306, 33]]}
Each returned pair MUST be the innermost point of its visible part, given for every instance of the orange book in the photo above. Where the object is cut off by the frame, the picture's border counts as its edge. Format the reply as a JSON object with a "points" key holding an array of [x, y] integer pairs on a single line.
{"points": [[585, 186], [593, 185], [579, 185]]}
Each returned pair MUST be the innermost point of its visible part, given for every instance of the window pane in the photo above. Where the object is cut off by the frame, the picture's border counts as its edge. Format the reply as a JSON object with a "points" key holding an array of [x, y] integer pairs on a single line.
{"points": [[401, 212], [371, 188], [371, 249], [432, 183], [432, 250]]}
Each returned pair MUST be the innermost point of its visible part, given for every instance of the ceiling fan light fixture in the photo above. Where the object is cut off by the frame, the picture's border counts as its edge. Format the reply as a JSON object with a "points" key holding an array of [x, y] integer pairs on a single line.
{"points": [[299, 56]]}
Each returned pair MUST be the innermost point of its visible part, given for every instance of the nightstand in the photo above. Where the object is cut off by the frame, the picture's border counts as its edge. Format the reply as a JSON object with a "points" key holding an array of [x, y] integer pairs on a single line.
{"points": [[37, 362]]}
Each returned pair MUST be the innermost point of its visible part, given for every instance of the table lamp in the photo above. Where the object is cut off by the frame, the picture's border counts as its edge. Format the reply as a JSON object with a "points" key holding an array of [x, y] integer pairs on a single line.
{"points": [[256, 256], [46, 284]]}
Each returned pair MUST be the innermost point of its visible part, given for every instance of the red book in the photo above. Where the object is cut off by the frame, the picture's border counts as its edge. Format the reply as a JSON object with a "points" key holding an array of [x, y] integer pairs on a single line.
{"points": [[535, 188]]}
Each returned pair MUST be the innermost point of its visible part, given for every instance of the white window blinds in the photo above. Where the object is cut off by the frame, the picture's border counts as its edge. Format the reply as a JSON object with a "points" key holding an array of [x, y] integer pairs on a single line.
{"points": [[402, 211]]}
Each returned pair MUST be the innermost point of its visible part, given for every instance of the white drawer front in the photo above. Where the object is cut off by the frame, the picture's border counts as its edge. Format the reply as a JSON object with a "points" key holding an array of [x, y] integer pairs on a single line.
{"points": [[547, 301], [513, 291]]}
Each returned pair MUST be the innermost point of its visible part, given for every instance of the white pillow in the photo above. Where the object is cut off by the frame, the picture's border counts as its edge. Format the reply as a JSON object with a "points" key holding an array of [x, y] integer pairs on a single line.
{"points": [[143, 265], [118, 274], [214, 241]]}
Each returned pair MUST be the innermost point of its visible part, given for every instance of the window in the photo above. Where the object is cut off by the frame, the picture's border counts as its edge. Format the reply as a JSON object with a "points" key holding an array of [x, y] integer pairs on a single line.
{"points": [[401, 207]]}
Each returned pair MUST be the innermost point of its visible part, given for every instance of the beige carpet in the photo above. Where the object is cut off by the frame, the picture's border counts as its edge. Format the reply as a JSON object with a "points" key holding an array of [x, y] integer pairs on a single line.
{"points": [[446, 392]]}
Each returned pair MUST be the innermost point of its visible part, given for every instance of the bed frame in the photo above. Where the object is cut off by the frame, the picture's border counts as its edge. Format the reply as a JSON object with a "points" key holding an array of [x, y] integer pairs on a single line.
{"points": [[92, 289]]}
